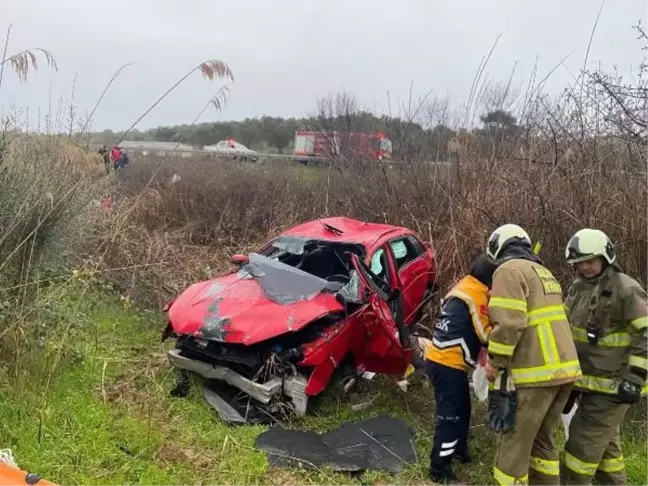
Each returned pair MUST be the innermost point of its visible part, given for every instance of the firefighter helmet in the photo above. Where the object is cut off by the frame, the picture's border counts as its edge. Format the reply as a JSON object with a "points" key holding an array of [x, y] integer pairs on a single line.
{"points": [[504, 235], [589, 243]]}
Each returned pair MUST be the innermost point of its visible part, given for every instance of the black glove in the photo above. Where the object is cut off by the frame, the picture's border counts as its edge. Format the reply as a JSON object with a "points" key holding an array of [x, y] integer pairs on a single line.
{"points": [[573, 396], [501, 410], [629, 392]]}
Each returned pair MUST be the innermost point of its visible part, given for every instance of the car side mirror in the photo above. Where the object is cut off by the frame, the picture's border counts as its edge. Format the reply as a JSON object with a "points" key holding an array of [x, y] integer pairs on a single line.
{"points": [[239, 259]]}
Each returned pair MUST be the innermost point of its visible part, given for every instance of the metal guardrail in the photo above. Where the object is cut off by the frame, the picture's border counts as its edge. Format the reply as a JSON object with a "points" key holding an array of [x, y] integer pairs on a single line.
{"points": [[260, 156]]}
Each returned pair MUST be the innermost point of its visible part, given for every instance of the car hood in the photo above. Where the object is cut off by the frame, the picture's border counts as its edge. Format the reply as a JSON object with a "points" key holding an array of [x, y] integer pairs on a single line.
{"points": [[262, 300]]}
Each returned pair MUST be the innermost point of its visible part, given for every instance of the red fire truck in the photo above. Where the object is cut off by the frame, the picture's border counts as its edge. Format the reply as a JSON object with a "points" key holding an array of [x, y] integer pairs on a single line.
{"points": [[320, 146]]}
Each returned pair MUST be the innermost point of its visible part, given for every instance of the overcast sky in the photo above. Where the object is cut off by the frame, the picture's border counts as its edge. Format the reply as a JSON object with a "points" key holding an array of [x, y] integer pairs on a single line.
{"points": [[284, 53]]}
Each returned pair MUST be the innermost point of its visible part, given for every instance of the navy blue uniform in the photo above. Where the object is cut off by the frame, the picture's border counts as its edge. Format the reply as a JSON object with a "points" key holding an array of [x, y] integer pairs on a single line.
{"points": [[452, 395]]}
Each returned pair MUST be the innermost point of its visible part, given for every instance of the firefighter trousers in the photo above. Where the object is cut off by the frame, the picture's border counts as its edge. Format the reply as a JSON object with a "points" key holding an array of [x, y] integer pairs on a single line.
{"points": [[527, 454], [452, 397], [594, 446]]}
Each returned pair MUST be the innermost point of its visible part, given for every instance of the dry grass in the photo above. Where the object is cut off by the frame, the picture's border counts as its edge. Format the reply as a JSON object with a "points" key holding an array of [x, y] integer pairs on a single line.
{"points": [[47, 190], [181, 231]]}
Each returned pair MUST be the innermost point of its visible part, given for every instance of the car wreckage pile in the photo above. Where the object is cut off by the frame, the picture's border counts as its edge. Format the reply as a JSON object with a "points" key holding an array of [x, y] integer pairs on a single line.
{"points": [[331, 296]]}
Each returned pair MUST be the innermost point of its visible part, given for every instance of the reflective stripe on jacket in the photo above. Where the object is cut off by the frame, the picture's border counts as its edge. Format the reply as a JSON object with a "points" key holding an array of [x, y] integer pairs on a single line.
{"points": [[615, 306], [463, 326], [531, 335]]}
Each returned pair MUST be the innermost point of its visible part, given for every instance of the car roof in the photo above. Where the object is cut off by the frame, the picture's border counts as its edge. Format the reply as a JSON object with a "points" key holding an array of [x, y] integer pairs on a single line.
{"points": [[352, 231]]}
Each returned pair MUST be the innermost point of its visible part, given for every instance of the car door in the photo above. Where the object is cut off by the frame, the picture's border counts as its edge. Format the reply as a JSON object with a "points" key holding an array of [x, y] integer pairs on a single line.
{"points": [[378, 347], [413, 272]]}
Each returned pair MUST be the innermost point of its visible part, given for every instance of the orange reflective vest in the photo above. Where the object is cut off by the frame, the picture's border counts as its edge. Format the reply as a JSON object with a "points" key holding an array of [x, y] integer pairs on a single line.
{"points": [[460, 334]]}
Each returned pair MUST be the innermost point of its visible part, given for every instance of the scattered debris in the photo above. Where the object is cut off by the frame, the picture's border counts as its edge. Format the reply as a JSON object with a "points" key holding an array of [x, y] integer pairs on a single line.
{"points": [[359, 407], [381, 443], [227, 413]]}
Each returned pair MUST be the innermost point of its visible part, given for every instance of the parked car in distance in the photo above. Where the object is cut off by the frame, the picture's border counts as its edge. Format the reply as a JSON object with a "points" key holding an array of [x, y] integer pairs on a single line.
{"points": [[234, 150]]}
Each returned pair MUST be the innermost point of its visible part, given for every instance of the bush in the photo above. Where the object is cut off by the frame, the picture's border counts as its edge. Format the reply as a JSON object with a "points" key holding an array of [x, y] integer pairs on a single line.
{"points": [[47, 188]]}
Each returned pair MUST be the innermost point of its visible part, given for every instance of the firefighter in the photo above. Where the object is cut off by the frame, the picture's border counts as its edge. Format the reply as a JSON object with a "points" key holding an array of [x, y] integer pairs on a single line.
{"points": [[460, 333], [607, 311], [532, 361]]}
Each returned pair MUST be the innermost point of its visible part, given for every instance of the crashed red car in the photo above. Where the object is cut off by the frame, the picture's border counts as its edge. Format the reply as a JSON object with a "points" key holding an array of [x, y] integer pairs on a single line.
{"points": [[271, 333]]}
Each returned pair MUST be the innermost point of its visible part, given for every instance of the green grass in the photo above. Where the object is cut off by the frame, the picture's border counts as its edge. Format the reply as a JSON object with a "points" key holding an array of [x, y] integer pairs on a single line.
{"points": [[107, 417]]}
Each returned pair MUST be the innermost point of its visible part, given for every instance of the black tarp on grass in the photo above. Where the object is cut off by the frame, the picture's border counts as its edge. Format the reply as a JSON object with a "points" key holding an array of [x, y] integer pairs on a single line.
{"points": [[381, 443]]}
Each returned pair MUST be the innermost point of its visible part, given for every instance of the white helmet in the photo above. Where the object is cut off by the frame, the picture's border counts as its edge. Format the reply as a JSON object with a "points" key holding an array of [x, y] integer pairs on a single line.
{"points": [[504, 235], [589, 243]]}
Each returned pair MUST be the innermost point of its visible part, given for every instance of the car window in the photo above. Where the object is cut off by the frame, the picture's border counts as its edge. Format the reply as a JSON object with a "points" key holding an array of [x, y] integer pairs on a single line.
{"points": [[416, 244], [406, 249], [377, 263], [400, 249]]}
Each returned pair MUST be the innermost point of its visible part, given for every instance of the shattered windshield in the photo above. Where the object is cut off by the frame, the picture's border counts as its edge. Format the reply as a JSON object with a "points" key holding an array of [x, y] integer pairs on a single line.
{"points": [[290, 244], [351, 291], [282, 283]]}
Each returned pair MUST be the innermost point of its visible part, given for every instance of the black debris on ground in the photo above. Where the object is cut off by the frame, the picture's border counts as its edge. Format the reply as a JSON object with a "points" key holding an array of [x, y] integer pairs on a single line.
{"points": [[381, 443], [234, 407], [305, 450]]}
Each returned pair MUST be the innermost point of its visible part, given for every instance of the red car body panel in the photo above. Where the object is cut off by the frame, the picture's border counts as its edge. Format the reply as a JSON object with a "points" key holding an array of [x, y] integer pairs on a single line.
{"points": [[252, 317], [352, 231], [376, 345], [413, 280], [325, 353], [369, 333]]}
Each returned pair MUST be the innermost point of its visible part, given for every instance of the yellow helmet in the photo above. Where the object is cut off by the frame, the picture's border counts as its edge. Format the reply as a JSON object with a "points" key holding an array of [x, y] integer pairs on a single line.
{"points": [[589, 243], [504, 235]]}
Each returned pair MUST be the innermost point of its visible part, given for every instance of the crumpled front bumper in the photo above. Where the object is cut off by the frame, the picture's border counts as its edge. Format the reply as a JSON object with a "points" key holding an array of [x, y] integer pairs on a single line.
{"points": [[292, 386]]}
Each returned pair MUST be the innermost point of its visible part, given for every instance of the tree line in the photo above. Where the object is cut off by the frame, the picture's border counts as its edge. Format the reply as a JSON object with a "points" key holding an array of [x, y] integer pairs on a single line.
{"points": [[276, 134]]}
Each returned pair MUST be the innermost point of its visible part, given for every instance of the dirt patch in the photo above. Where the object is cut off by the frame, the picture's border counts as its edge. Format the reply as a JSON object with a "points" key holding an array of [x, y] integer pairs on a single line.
{"points": [[170, 453], [136, 381], [124, 391], [386, 481], [278, 477]]}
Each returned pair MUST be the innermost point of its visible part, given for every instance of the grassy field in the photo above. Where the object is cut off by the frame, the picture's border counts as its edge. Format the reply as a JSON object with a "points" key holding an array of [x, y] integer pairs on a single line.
{"points": [[84, 380], [97, 411]]}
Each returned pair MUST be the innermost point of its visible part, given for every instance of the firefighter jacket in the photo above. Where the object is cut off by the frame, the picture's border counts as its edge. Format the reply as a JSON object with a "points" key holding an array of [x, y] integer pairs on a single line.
{"points": [[531, 336], [612, 309], [463, 327]]}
